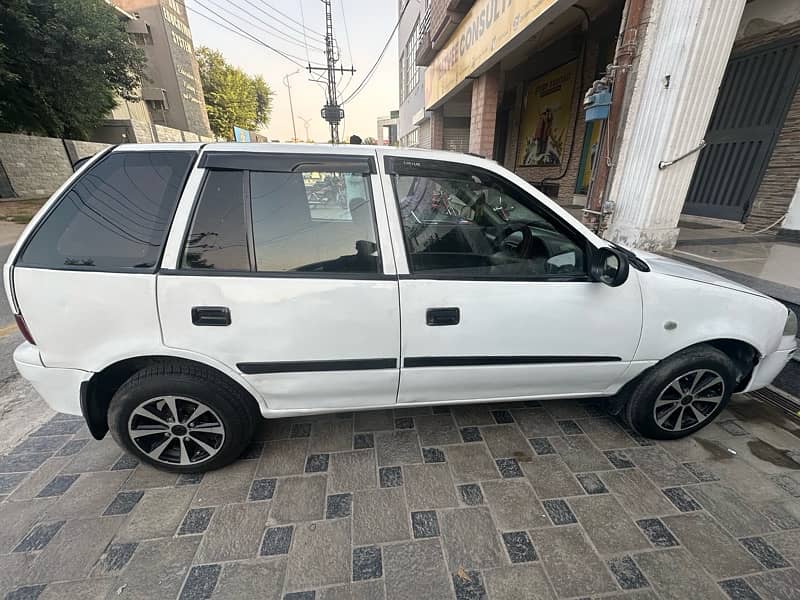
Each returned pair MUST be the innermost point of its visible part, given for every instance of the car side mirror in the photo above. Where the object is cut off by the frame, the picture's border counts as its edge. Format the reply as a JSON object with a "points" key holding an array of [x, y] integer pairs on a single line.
{"points": [[609, 266]]}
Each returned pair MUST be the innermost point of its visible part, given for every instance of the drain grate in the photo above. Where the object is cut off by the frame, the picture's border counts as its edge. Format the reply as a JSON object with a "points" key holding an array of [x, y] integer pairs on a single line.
{"points": [[788, 404]]}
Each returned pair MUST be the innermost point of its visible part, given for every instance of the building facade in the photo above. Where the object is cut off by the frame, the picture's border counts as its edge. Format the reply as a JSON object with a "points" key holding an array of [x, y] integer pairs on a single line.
{"points": [[701, 101], [174, 94]]}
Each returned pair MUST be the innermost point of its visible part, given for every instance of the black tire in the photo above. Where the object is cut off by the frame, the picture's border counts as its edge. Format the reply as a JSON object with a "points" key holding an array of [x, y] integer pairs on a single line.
{"points": [[641, 413], [231, 407]]}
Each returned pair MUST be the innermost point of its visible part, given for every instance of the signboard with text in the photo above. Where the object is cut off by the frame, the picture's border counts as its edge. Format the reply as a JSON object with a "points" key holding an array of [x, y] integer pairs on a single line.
{"points": [[487, 27]]}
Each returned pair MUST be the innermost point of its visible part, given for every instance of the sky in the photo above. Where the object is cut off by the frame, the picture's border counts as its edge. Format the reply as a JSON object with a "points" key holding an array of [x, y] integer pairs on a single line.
{"points": [[366, 23]]}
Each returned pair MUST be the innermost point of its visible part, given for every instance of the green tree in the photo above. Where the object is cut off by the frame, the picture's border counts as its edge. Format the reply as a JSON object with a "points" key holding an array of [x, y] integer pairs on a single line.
{"points": [[233, 98], [63, 65]]}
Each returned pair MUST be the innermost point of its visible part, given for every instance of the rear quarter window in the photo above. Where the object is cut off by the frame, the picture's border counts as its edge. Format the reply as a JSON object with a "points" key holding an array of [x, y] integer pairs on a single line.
{"points": [[115, 216]]}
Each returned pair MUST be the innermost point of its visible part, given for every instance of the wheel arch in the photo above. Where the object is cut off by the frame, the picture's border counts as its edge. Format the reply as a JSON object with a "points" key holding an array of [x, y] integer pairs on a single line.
{"points": [[744, 355], [96, 393]]}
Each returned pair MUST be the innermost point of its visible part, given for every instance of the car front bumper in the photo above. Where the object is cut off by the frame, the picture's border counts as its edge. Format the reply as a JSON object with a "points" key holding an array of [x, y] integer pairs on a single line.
{"points": [[770, 365], [60, 388]]}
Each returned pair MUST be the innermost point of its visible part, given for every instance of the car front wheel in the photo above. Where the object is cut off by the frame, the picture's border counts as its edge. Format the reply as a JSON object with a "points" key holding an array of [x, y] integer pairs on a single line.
{"points": [[181, 419], [682, 394]]}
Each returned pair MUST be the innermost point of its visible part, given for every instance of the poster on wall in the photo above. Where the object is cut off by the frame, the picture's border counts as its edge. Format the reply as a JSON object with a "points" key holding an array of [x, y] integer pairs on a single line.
{"points": [[591, 145], [546, 110]]}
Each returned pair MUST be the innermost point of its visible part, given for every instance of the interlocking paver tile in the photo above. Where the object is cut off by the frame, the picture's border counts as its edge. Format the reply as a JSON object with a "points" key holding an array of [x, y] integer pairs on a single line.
{"points": [[638, 496], [592, 483], [374, 420], [764, 553], [433, 455], [367, 563], [657, 533], [424, 524], [471, 434], [299, 499], [468, 585], [787, 543], [17, 518], [72, 447], [260, 578], [74, 550], [234, 532], [733, 512], [471, 462], [38, 479], [519, 547], [157, 568], [300, 430], [49, 443], [542, 446], [200, 582], [363, 440], [14, 569], [353, 470], [196, 521], [57, 486], [397, 447], [429, 486], [506, 441], [574, 569], [331, 436], [505, 583], [580, 454], [471, 494], [701, 471], [277, 540], [514, 505], [435, 430], [675, 575], [404, 423], [379, 516], [559, 512], [9, 481], [415, 570], [59, 427], [97, 456], [123, 502], [739, 589], [627, 573], [681, 499], [339, 505], [283, 457], [660, 467], [146, 477], [619, 459], [536, 423], [317, 463], [28, 592], [551, 478], [115, 558], [607, 525], [91, 588], [502, 416], [125, 462], [19, 463], [261, 489], [472, 414], [470, 538], [320, 555], [38, 537], [391, 476], [777, 585], [712, 547], [89, 496], [606, 434]]}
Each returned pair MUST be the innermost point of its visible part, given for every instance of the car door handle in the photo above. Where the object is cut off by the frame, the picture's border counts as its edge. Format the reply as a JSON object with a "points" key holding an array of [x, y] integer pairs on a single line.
{"points": [[437, 317], [214, 316]]}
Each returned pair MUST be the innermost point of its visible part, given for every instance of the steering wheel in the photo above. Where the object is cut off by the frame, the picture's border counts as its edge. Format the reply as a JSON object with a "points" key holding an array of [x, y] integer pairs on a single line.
{"points": [[506, 230]]}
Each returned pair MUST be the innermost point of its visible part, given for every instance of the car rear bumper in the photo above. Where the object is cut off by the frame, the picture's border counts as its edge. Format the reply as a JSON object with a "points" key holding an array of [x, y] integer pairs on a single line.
{"points": [[60, 388], [772, 364]]}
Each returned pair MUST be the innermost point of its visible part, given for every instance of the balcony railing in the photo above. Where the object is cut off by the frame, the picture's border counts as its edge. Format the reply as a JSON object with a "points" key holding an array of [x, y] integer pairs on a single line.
{"points": [[425, 51]]}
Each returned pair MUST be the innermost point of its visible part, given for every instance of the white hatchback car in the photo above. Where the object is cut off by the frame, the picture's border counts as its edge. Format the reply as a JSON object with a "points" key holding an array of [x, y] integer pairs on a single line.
{"points": [[176, 293]]}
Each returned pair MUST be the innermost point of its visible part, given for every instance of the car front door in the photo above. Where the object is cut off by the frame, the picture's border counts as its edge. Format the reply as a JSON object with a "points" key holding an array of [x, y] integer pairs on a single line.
{"points": [[286, 276], [494, 293]]}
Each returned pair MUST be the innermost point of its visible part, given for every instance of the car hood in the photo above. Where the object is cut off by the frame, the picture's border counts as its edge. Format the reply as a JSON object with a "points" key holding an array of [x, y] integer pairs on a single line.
{"points": [[674, 268]]}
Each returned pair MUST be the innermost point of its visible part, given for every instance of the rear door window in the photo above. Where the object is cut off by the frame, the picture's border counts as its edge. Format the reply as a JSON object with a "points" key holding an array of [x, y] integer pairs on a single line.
{"points": [[116, 216]]}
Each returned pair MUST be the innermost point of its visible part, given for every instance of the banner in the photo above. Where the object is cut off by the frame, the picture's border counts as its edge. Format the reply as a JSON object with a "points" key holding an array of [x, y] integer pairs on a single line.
{"points": [[547, 108], [487, 27]]}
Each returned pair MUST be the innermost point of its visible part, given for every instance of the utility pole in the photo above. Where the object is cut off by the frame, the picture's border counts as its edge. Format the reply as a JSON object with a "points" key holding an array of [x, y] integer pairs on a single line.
{"points": [[291, 108], [332, 112]]}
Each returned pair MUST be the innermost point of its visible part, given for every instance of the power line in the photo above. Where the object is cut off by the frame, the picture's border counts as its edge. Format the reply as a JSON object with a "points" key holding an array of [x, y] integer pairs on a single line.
{"points": [[280, 12], [300, 29], [276, 32], [290, 37], [290, 57], [369, 74], [349, 47]]}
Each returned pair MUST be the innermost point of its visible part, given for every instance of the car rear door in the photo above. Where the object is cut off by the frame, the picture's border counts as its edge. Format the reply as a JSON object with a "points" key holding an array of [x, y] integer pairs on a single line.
{"points": [[283, 271], [492, 312]]}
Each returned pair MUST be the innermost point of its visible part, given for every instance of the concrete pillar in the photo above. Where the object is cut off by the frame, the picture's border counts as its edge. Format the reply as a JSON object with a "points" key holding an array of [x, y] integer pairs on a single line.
{"points": [[682, 60], [437, 129], [790, 230], [483, 114]]}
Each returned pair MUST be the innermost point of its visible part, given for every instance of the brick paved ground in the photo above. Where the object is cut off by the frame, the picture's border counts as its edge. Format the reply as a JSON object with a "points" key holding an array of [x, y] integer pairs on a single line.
{"points": [[502, 501]]}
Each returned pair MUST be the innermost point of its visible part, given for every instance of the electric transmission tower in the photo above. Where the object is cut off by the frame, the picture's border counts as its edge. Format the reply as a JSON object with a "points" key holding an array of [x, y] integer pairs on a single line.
{"points": [[332, 112]]}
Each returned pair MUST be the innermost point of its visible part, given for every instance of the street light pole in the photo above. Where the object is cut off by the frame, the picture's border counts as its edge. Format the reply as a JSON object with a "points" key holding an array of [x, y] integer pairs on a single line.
{"points": [[305, 123], [291, 108]]}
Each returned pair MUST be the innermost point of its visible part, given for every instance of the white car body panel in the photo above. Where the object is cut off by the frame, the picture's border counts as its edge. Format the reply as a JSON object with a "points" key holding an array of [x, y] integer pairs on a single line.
{"points": [[85, 321]]}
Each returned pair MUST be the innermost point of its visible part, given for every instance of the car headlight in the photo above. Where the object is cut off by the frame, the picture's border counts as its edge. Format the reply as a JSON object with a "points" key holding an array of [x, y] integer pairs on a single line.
{"points": [[791, 324]]}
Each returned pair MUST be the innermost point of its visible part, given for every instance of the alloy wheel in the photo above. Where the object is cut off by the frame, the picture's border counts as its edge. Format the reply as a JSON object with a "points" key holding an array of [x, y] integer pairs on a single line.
{"points": [[175, 430], [688, 400]]}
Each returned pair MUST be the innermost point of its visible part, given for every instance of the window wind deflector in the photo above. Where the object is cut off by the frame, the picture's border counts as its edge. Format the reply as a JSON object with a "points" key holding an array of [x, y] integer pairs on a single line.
{"points": [[286, 163]]}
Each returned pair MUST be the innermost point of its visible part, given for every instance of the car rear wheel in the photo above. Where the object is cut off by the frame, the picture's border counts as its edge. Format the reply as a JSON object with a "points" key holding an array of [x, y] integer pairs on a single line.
{"points": [[182, 419], [681, 394]]}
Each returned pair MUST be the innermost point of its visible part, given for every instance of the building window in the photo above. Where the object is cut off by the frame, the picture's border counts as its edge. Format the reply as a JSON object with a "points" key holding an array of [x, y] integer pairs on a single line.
{"points": [[409, 72], [156, 104]]}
